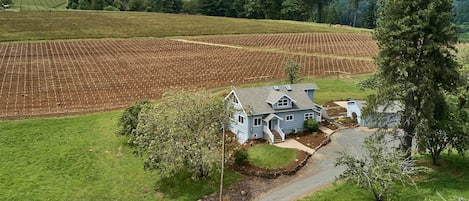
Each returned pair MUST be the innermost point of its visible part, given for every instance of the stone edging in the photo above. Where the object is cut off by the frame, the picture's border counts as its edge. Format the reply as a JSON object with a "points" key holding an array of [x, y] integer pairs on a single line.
{"points": [[273, 175]]}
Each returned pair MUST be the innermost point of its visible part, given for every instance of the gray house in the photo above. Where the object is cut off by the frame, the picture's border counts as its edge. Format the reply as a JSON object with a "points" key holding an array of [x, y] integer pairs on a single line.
{"points": [[272, 112], [385, 115]]}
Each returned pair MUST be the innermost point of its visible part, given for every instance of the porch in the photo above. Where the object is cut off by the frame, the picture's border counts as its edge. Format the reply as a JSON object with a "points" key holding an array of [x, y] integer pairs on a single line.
{"points": [[272, 131]]}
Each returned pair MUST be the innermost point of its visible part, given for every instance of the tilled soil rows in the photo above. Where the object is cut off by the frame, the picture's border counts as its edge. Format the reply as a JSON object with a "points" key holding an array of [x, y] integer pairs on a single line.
{"points": [[68, 77], [339, 44]]}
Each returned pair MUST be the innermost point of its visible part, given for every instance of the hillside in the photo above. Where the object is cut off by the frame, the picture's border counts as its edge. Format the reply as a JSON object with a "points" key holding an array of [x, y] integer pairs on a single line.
{"points": [[26, 26]]}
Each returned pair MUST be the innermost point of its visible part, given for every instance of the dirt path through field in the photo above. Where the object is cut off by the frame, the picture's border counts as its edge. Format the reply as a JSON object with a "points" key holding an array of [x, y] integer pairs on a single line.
{"points": [[276, 50]]}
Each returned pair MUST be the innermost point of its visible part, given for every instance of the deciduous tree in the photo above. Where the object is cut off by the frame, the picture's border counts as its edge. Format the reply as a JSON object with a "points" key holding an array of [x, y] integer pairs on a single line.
{"points": [[378, 168], [448, 131], [128, 121], [292, 70], [182, 133]]}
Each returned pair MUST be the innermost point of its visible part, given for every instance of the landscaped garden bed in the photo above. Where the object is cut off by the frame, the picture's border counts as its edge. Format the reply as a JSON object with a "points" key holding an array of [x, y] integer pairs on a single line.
{"points": [[309, 139]]}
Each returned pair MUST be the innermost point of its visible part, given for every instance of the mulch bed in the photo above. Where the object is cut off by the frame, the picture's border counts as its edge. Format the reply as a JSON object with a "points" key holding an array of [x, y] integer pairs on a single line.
{"points": [[347, 122], [334, 110], [309, 139]]}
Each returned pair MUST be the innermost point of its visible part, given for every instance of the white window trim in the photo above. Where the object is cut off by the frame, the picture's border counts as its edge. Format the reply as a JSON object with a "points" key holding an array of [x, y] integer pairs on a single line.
{"points": [[290, 115], [254, 122], [284, 102], [240, 119], [309, 114]]}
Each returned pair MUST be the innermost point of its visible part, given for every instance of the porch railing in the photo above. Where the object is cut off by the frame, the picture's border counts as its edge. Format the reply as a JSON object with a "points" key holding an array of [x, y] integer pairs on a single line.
{"points": [[270, 136], [280, 132]]}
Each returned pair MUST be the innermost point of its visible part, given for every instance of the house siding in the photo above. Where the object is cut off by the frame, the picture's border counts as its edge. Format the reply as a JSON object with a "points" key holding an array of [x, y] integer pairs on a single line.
{"points": [[297, 123], [240, 129], [352, 107], [289, 105], [256, 132]]}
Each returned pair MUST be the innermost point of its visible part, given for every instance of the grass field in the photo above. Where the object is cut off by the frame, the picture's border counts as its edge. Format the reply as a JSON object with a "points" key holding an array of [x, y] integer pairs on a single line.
{"points": [[270, 157], [25, 26], [447, 182], [80, 158]]}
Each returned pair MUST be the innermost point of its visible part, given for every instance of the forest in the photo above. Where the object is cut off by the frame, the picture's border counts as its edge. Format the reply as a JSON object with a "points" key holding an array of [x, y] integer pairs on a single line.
{"points": [[357, 13]]}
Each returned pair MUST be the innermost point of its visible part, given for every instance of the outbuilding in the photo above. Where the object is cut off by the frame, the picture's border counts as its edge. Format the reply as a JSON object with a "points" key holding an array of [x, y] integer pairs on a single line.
{"points": [[385, 116]]}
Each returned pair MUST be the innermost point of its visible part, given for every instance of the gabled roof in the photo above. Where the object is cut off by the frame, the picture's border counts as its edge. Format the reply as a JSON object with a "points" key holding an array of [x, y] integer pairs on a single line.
{"points": [[275, 96], [256, 98], [271, 116]]}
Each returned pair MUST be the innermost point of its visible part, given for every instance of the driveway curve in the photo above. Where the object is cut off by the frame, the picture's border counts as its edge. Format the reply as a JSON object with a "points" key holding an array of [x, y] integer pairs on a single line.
{"points": [[320, 170]]}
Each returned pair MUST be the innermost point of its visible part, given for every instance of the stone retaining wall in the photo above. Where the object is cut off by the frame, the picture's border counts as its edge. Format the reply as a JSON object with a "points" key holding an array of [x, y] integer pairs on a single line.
{"points": [[275, 174]]}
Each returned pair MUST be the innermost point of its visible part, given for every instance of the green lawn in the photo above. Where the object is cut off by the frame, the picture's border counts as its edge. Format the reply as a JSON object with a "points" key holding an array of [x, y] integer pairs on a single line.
{"points": [[450, 181], [270, 157], [25, 26], [80, 158], [333, 88]]}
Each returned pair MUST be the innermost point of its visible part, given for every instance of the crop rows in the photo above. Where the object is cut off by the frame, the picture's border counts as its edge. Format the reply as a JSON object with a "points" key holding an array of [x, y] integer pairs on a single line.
{"points": [[69, 77], [339, 44], [39, 5]]}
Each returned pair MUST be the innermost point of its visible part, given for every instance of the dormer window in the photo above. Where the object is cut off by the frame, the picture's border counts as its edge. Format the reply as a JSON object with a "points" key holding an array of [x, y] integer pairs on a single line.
{"points": [[283, 102]]}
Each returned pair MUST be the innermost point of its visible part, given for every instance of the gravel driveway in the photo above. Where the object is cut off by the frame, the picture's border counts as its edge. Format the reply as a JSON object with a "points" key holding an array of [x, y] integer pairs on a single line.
{"points": [[320, 169]]}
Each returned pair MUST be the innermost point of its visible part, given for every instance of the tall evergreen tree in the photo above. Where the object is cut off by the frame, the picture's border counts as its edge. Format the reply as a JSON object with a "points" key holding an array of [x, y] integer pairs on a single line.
{"points": [[369, 18], [415, 61], [355, 5]]}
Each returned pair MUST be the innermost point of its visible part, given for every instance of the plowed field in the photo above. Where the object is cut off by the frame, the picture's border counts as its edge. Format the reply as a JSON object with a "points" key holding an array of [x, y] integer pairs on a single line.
{"points": [[69, 77], [338, 44]]}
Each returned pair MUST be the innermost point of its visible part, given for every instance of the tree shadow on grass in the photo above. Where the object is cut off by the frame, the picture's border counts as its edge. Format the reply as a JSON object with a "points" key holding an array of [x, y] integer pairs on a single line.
{"points": [[182, 187]]}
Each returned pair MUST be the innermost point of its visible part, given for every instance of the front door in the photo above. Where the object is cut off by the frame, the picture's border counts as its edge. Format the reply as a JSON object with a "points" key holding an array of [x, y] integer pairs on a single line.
{"points": [[272, 124]]}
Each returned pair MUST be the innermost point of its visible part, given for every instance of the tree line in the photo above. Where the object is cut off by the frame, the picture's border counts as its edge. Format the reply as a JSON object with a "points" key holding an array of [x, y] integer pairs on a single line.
{"points": [[357, 13]]}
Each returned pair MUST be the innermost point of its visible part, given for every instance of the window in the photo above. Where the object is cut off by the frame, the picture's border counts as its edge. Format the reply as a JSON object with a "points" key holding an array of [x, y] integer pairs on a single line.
{"points": [[289, 117], [235, 100], [309, 116], [257, 121], [241, 119], [282, 102]]}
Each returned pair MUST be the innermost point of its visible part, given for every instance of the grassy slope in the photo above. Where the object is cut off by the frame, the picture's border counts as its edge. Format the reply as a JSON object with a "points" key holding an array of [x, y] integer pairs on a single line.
{"points": [[450, 181], [23, 26], [78, 158], [269, 156]]}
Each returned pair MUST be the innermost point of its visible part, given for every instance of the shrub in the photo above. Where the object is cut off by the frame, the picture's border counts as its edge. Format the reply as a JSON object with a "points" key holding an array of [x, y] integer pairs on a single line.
{"points": [[312, 125], [240, 156], [129, 119], [111, 8]]}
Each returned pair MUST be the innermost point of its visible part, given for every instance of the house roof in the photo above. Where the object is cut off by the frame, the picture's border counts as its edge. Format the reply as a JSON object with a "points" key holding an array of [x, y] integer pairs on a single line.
{"points": [[392, 108], [275, 96], [271, 116], [258, 98]]}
